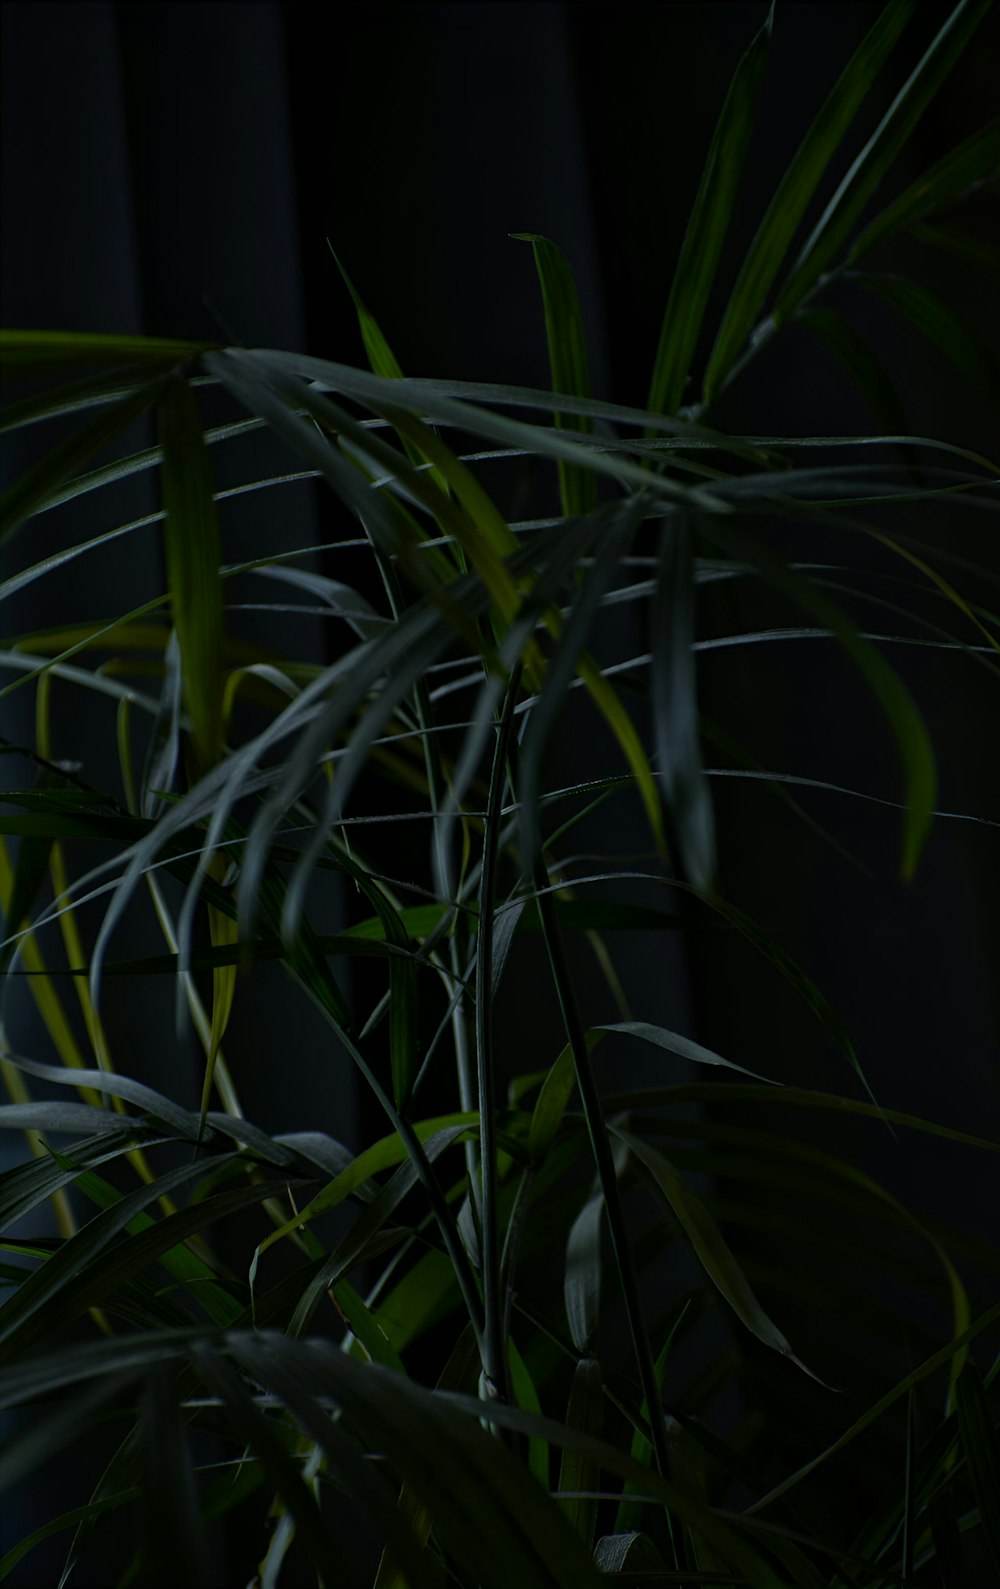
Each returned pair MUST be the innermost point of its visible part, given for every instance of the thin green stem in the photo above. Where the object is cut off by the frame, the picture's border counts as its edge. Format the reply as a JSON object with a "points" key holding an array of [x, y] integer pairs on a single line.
{"points": [[604, 1160], [495, 1362]]}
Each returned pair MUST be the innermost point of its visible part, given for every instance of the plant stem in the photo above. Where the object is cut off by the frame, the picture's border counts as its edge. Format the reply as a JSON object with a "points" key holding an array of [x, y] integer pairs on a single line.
{"points": [[603, 1158], [495, 1363]]}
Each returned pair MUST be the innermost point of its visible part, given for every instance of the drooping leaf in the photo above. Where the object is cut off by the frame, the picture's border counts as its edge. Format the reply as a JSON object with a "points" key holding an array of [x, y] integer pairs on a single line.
{"points": [[709, 1246]]}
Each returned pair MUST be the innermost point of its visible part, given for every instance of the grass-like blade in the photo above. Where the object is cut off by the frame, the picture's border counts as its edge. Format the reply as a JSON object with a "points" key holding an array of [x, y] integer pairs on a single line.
{"points": [[568, 361], [834, 227], [172, 1541], [795, 190], [706, 230], [42, 352], [577, 1471], [583, 1272]]}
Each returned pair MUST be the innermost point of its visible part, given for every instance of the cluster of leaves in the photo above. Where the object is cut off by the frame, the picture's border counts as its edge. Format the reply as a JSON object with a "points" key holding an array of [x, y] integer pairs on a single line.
{"points": [[415, 1385]]}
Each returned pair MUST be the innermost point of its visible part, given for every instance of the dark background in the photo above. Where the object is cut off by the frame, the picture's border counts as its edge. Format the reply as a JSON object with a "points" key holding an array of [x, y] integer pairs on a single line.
{"points": [[176, 168]]}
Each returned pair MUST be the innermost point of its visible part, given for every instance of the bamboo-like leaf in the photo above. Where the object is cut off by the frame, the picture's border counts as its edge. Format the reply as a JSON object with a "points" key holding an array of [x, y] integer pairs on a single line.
{"points": [[947, 180], [706, 230], [29, 352], [674, 1043], [795, 190], [675, 706], [709, 1246], [193, 557], [834, 227], [491, 1513], [568, 362]]}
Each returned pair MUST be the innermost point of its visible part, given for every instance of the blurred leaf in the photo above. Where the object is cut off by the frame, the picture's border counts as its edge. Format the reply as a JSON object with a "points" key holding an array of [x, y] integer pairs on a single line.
{"points": [[834, 227], [568, 360], [796, 189], [193, 557], [28, 352], [675, 1044], [973, 250], [675, 706], [526, 1396]]}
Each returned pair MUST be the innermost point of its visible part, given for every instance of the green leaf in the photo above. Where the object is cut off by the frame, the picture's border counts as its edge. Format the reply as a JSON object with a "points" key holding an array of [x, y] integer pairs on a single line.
{"points": [[675, 706], [553, 1099], [29, 352], [947, 180], [795, 190], [568, 360], [706, 230], [193, 557], [978, 1428], [675, 1044], [834, 227], [628, 1554], [711, 1250]]}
